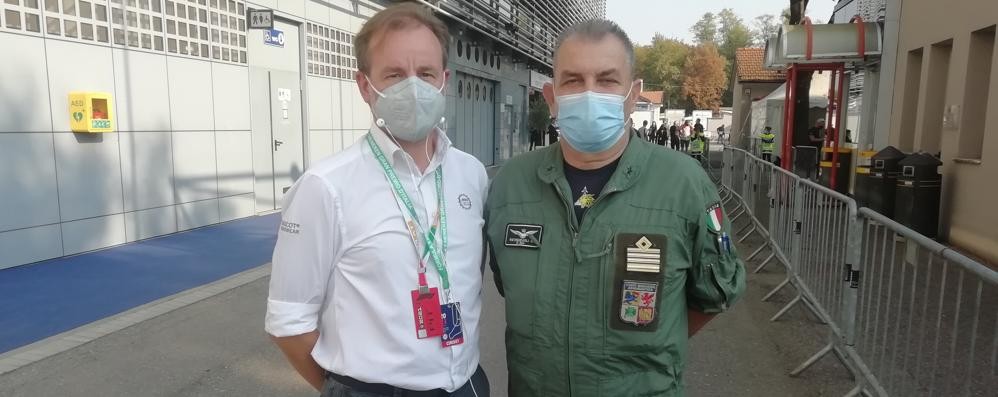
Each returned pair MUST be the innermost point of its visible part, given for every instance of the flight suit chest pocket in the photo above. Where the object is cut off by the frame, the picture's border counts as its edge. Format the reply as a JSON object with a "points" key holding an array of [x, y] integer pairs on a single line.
{"points": [[520, 244]]}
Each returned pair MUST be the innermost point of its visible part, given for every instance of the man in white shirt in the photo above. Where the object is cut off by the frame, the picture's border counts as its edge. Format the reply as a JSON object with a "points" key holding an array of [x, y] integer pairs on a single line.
{"points": [[376, 288]]}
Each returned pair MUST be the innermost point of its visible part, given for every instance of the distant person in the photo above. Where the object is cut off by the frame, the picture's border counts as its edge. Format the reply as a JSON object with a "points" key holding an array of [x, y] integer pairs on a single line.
{"points": [[662, 135], [674, 135], [684, 136], [698, 145], [816, 134], [652, 130], [536, 138], [720, 134], [643, 131], [768, 144], [553, 131], [698, 127]]}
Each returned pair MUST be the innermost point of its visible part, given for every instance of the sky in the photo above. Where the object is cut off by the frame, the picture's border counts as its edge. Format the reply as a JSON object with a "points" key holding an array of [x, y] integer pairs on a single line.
{"points": [[641, 19]]}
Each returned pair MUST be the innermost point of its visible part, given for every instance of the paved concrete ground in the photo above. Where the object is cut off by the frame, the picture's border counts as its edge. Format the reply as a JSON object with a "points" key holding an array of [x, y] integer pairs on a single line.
{"points": [[217, 347]]}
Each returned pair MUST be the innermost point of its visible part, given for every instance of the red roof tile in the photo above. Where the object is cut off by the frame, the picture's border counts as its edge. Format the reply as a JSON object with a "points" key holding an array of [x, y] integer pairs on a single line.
{"points": [[749, 63]]}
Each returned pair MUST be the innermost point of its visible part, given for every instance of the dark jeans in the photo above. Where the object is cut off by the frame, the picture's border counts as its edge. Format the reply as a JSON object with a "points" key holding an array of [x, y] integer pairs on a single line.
{"points": [[477, 386], [684, 145]]}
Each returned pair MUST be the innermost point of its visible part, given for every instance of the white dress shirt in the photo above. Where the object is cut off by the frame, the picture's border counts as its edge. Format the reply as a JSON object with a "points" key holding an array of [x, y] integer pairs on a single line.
{"points": [[345, 265]]}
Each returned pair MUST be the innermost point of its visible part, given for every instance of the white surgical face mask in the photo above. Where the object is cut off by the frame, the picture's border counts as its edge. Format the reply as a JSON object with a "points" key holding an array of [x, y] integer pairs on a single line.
{"points": [[409, 109]]}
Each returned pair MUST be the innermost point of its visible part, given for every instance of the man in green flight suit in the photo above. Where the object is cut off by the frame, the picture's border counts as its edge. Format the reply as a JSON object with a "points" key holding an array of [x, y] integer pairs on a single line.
{"points": [[610, 251]]}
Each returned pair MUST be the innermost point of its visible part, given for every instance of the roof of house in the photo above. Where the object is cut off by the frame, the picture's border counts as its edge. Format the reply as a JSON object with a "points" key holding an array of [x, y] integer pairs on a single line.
{"points": [[749, 62], [652, 96]]}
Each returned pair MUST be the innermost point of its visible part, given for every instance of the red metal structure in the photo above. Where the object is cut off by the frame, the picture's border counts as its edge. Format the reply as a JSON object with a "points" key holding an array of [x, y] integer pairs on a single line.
{"points": [[836, 96]]}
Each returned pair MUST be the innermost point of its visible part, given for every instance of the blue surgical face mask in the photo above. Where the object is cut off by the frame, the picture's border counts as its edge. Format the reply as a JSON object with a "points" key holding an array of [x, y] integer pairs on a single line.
{"points": [[591, 122]]}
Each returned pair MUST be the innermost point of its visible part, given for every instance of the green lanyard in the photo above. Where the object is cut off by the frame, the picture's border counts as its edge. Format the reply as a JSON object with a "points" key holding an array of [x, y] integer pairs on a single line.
{"points": [[430, 237]]}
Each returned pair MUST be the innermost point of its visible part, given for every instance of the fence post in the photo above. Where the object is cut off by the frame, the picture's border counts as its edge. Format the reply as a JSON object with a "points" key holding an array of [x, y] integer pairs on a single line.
{"points": [[772, 194], [798, 225], [853, 275]]}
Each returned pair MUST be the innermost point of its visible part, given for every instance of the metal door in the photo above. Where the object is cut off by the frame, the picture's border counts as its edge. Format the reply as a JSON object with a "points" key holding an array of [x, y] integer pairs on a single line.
{"points": [[286, 130]]}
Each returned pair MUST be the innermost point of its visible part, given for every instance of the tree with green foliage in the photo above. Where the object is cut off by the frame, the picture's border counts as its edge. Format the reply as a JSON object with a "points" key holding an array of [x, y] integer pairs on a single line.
{"points": [[705, 30], [661, 65], [764, 27]]}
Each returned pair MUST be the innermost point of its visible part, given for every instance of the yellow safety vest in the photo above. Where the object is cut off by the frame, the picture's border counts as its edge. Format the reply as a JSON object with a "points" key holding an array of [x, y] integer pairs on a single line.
{"points": [[768, 143]]}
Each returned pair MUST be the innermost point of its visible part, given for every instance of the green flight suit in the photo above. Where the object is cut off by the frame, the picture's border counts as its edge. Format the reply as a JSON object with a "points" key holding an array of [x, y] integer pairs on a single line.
{"points": [[563, 281]]}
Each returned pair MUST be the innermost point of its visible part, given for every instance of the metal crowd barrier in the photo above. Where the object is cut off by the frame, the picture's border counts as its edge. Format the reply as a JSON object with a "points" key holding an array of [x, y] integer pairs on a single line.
{"points": [[906, 315]]}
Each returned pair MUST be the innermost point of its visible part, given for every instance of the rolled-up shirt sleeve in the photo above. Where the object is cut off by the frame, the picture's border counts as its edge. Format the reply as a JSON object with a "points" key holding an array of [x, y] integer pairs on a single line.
{"points": [[308, 245]]}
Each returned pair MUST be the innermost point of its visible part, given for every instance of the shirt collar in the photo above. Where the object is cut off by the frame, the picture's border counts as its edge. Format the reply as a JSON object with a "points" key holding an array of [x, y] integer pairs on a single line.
{"points": [[397, 156]]}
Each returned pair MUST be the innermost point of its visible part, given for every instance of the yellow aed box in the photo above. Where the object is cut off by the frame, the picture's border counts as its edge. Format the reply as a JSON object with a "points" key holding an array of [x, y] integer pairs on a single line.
{"points": [[91, 112]]}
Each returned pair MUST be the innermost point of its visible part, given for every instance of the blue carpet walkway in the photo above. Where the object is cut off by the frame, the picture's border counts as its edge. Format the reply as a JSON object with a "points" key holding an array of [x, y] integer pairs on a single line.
{"points": [[54, 296]]}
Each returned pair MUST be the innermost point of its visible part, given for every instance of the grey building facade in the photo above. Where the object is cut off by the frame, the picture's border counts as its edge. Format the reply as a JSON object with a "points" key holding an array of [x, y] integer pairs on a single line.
{"points": [[213, 121]]}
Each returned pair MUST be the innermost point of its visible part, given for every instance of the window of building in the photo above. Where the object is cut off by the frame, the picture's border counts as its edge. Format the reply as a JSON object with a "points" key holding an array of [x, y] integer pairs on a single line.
{"points": [[935, 97], [909, 105], [977, 93]]}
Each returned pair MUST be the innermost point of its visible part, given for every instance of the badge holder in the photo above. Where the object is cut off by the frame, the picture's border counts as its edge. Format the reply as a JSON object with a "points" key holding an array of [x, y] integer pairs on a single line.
{"points": [[639, 263], [426, 310]]}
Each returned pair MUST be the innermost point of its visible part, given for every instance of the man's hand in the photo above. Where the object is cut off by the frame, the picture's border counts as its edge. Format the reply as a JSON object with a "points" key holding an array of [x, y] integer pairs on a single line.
{"points": [[696, 320], [298, 350]]}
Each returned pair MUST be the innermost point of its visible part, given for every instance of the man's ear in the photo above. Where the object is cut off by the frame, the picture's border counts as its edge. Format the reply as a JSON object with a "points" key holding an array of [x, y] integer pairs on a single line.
{"points": [[363, 84], [548, 92], [631, 100]]}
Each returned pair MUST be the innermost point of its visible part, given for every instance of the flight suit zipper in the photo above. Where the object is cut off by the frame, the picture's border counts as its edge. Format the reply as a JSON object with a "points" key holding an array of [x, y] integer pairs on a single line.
{"points": [[575, 227]]}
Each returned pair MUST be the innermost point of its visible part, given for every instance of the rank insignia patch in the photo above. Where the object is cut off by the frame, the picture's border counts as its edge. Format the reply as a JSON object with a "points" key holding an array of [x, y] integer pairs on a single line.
{"points": [[638, 302], [643, 257]]}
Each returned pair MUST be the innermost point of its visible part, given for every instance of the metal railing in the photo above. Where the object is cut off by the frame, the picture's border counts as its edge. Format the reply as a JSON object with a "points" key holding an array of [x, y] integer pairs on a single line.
{"points": [[906, 315]]}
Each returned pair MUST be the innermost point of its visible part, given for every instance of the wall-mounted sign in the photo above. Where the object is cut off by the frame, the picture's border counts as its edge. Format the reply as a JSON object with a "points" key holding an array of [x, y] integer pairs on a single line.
{"points": [[538, 80], [273, 37], [260, 19]]}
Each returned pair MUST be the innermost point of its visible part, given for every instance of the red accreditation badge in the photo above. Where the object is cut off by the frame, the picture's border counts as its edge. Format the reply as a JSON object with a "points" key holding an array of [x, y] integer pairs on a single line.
{"points": [[426, 312]]}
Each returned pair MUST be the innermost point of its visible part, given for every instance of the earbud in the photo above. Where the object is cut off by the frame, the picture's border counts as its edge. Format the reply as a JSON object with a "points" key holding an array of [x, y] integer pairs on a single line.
{"points": [[380, 122], [443, 120]]}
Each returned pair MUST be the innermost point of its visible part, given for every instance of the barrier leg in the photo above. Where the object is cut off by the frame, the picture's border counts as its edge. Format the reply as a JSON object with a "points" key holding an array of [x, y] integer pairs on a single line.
{"points": [[749, 233], [764, 263], [757, 252], [777, 289], [793, 302], [813, 359]]}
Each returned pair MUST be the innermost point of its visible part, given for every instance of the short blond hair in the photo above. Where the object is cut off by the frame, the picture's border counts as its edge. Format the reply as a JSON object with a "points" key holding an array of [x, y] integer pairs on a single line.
{"points": [[398, 17]]}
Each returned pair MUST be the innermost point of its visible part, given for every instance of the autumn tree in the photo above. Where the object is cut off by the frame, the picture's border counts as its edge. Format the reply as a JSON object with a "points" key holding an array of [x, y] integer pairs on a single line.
{"points": [[662, 65], [705, 77]]}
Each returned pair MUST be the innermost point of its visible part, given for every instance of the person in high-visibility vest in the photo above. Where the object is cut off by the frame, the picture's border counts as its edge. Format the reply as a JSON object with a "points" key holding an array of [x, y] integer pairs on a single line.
{"points": [[768, 145], [698, 144]]}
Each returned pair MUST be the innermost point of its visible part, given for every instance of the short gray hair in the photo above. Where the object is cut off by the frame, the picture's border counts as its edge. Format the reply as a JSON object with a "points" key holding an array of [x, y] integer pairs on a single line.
{"points": [[596, 29]]}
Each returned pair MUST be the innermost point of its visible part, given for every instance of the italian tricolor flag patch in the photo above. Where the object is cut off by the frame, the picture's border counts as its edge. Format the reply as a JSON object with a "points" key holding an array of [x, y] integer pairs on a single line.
{"points": [[715, 217]]}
